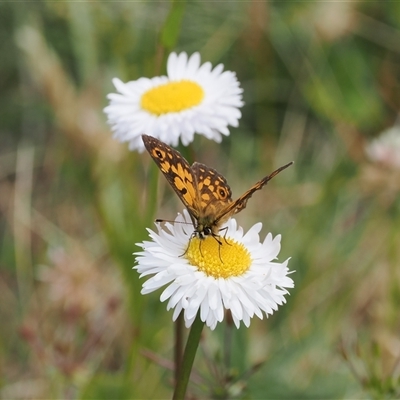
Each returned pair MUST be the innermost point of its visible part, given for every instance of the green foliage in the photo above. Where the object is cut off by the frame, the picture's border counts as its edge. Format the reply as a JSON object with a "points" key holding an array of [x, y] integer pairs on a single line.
{"points": [[319, 80], [172, 27]]}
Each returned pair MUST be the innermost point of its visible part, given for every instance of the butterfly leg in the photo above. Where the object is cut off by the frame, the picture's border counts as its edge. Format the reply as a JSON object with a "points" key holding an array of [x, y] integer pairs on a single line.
{"points": [[187, 248], [201, 253], [226, 231], [216, 237]]}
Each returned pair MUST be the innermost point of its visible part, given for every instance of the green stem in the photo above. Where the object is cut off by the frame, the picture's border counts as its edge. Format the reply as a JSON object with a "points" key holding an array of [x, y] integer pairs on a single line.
{"points": [[179, 325], [188, 358], [228, 343], [152, 197]]}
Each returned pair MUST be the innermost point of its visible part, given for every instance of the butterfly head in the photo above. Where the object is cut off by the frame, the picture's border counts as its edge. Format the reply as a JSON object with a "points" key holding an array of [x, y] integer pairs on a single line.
{"points": [[202, 231], [207, 226]]}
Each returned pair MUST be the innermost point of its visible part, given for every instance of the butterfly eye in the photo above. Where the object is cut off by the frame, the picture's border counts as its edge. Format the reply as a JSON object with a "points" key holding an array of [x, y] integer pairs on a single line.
{"points": [[207, 231]]}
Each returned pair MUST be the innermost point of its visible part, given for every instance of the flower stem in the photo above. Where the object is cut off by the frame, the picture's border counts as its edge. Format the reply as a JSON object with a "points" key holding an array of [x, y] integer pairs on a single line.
{"points": [[228, 342], [179, 327], [188, 358]]}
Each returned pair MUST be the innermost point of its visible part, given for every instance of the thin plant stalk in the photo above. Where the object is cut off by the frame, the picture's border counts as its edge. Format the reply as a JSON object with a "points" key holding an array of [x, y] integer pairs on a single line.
{"points": [[178, 352], [188, 358]]}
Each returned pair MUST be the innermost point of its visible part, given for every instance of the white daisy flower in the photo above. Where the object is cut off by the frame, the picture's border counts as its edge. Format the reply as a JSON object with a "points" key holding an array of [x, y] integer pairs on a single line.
{"points": [[192, 98], [385, 149], [239, 275]]}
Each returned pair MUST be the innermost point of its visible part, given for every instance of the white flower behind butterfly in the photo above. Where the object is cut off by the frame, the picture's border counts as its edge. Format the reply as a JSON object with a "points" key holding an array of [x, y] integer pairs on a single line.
{"points": [[385, 149], [191, 99], [202, 275]]}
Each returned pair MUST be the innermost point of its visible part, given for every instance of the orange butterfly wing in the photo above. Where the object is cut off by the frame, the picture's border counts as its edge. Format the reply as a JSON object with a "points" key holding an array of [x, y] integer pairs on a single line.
{"points": [[204, 191]]}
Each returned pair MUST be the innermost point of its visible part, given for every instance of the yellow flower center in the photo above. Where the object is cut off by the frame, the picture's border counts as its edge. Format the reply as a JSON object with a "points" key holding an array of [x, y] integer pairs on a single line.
{"points": [[218, 260], [172, 97]]}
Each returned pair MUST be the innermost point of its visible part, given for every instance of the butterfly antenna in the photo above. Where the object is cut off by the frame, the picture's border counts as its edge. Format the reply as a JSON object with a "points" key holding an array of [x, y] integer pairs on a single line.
{"points": [[172, 222]]}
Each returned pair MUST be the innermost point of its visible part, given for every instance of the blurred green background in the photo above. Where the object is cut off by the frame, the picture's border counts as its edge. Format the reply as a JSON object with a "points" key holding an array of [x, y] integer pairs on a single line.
{"points": [[320, 79]]}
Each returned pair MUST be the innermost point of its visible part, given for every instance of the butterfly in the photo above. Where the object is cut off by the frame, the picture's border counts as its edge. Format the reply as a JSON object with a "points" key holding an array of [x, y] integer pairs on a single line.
{"points": [[204, 191]]}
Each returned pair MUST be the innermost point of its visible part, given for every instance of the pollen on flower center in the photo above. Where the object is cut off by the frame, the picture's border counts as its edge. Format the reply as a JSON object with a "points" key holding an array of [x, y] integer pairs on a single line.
{"points": [[172, 97], [218, 260]]}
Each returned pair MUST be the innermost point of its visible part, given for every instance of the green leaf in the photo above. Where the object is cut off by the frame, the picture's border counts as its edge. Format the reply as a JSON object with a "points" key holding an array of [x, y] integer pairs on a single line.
{"points": [[172, 27]]}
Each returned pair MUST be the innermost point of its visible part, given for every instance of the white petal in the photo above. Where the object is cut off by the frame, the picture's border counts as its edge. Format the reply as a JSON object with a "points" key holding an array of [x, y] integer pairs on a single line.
{"points": [[211, 118], [257, 292]]}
